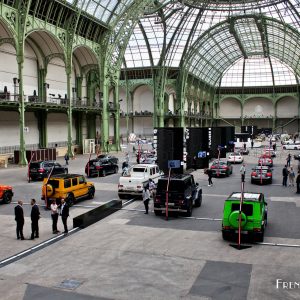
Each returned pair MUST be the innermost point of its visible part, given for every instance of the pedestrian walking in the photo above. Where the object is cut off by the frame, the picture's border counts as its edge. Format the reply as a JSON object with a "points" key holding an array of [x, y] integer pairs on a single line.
{"points": [[288, 160], [64, 212], [243, 172], [245, 147], [19, 217], [54, 216], [252, 144], [35, 216], [146, 197], [298, 183], [291, 176], [285, 174], [209, 174], [67, 158]]}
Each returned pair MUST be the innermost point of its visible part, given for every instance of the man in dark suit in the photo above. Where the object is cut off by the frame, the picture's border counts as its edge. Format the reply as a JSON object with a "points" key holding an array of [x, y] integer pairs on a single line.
{"points": [[19, 217], [64, 212], [35, 215]]}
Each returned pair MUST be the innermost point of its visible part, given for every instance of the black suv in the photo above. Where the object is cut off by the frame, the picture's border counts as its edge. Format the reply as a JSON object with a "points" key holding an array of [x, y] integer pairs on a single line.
{"points": [[184, 193], [101, 167], [41, 169]]}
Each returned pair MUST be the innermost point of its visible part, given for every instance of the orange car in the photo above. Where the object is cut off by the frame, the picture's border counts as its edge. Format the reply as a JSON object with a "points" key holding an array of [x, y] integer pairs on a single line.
{"points": [[6, 193]]}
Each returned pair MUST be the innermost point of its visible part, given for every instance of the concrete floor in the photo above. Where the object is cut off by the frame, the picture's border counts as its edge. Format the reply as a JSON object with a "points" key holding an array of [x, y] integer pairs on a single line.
{"points": [[129, 255]]}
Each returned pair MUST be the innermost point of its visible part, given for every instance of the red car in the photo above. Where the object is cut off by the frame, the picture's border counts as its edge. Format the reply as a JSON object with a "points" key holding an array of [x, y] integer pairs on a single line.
{"points": [[265, 160], [6, 193], [261, 174]]}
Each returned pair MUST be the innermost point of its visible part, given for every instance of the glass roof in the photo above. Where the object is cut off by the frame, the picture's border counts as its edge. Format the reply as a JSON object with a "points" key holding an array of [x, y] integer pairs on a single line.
{"points": [[207, 42], [104, 10]]}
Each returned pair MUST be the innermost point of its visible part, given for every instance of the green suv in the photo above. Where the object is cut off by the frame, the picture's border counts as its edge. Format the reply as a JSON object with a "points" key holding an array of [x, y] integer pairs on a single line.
{"points": [[253, 217]]}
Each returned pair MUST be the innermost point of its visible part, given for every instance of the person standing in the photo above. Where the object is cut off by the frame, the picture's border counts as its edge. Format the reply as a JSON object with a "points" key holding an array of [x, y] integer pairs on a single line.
{"points": [[209, 174], [19, 217], [243, 172], [54, 216], [35, 215], [252, 144], [64, 211], [146, 197], [291, 176], [67, 158], [298, 183], [285, 174], [152, 188], [288, 160]]}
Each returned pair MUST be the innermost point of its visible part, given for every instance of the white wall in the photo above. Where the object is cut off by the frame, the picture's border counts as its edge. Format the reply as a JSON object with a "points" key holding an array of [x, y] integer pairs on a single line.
{"points": [[9, 129], [8, 67], [258, 107], [287, 107], [230, 108], [32, 136], [56, 78], [57, 126], [143, 99], [30, 72], [143, 126]]}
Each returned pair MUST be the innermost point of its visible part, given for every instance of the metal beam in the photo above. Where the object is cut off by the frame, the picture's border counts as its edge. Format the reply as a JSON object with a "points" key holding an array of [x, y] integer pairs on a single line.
{"points": [[262, 28], [236, 37]]}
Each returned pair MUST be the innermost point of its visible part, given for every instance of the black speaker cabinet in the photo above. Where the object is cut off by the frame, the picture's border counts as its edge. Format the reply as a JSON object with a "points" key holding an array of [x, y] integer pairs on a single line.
{"points": [[169, 144]]}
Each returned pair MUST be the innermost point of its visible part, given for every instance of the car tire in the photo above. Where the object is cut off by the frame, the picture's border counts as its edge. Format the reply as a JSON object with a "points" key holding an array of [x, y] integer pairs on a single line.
{"points": [[116, 170], [103, 173], [284, 148], [198, 201], [91, 192], [189, 210], [234, 219], [225, 236], [70, 200], [252, 181], [7, 196], [259, 237], [158, 212]]}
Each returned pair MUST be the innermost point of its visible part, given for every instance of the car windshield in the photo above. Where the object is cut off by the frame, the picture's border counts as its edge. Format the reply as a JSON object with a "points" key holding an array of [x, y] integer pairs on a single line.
{"points": [[219, 163], [139, 170], [247, 209], [35, 165]]}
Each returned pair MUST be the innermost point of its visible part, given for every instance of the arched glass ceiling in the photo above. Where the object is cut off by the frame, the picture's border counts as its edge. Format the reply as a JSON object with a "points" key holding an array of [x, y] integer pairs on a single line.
{"points": [[186, 23], [104, 10], [257, 72]]}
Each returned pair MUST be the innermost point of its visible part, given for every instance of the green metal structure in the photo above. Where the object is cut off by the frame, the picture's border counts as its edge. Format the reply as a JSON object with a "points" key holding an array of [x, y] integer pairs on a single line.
{"points": [[187, 48]]}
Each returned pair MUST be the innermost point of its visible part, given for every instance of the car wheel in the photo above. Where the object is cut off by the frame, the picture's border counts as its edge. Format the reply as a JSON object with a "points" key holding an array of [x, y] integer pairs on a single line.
{"points": [[198, 201], [7, 196], [91, 192], [259, 237], [189, 210], [70, 200], [225, 236], [252, 181], [234, 219], [284, 148], [66, 171], [158, 212], [103, 173], [116, 170]]}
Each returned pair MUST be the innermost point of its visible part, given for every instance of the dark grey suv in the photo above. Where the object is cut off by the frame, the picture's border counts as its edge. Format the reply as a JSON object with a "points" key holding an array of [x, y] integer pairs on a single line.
{"points": [[41, 169], [183, 193]]}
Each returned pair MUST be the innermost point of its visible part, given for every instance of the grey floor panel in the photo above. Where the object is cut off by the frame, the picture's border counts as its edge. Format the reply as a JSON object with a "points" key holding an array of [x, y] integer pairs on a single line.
{"points": [[223, 281], [35, 292]]}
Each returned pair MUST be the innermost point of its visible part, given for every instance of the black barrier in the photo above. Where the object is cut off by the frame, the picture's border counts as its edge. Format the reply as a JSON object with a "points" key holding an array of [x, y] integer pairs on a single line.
{"points": [[97, 214]]}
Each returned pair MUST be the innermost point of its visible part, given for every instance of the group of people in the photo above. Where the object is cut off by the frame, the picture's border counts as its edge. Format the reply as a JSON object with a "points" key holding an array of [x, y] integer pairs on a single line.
{"points": [[288, 173], [56, 210]]}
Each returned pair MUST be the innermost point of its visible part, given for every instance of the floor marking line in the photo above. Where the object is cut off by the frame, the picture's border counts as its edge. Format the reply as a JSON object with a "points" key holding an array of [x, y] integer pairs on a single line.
{"points": [[280, 245]]}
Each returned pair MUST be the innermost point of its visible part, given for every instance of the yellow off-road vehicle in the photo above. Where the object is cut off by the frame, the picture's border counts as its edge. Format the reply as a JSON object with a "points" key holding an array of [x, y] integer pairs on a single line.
{"points": [[71, 187]]}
